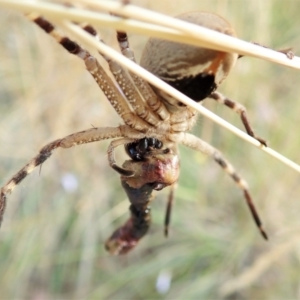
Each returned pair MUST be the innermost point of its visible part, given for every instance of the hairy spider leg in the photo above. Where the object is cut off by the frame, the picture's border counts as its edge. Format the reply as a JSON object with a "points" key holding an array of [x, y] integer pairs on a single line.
{"points": [[240, 109], [105, 83], [78, 138], [196, 143]]}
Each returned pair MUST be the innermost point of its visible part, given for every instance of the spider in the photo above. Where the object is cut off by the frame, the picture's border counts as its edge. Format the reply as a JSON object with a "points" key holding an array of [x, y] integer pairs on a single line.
{"points": [[154, 122]]}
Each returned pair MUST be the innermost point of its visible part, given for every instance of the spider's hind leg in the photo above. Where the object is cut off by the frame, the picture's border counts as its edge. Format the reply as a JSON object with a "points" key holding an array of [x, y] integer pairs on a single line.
{"points": [[241, 110], [195, 143]]}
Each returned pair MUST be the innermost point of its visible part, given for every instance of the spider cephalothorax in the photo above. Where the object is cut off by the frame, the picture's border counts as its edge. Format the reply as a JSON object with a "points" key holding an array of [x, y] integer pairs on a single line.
{"points": [[154, 122]]}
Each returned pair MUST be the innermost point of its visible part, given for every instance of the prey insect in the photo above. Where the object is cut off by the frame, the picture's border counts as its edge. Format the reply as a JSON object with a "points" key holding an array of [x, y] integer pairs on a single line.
{"points": [[154, 123]]}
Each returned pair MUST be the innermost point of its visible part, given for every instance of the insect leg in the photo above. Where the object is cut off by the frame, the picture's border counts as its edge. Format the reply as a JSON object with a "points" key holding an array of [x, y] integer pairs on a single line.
{"points": [[169, 209]]}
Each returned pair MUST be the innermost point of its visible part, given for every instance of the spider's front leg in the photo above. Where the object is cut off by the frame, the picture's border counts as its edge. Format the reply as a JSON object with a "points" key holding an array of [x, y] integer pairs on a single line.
{"points": [[82, 137], [106, 84], [154, 168]]}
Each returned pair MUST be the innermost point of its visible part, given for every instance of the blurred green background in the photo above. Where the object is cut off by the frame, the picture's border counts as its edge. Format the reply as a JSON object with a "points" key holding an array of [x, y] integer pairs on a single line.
{"points": [[51, 240]]}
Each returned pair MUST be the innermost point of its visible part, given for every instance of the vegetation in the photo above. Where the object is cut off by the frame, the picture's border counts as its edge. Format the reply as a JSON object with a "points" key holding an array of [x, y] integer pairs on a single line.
{"points": [[52, 237]]}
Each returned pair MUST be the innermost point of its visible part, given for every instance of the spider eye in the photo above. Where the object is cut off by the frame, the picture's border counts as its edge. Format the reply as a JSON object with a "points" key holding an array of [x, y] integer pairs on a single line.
{"points": [[131, 150], [142, 145], [138, 151]]}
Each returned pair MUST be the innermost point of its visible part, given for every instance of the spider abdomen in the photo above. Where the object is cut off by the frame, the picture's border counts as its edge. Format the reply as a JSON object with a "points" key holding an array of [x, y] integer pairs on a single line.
{"points": [[194, 71]]}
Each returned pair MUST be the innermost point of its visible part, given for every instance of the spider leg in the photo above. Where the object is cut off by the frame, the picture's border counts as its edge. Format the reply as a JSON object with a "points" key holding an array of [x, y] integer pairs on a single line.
{"points": [[82, 137], [287, 51], [137, 91], [127, 86], [144, 88], [240, 109], [196, 143], [111, 156], [111, 91]]}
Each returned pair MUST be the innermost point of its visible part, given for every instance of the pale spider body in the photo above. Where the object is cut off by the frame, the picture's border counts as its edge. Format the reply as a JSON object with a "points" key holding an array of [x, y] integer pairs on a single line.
{"points": [[187, 67], [154, 122]]}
